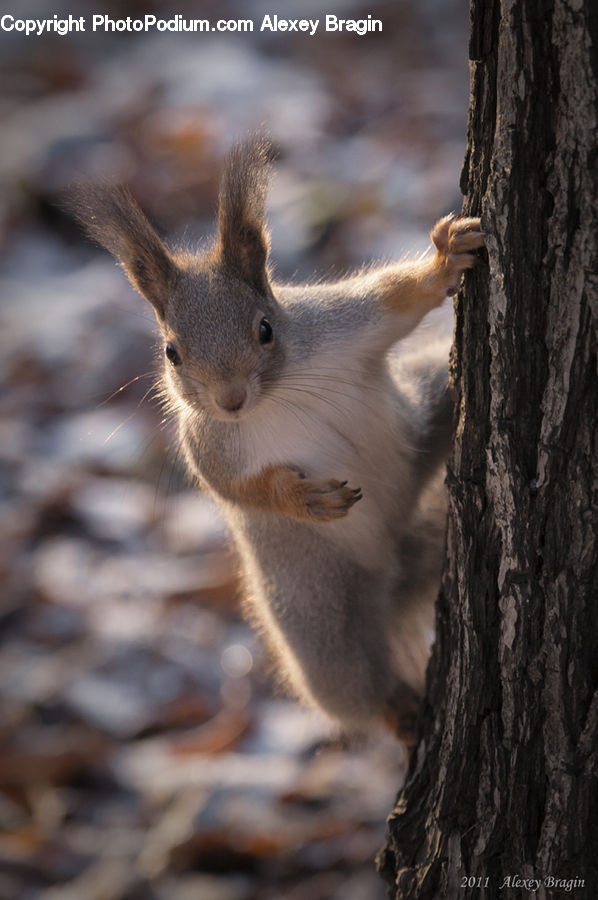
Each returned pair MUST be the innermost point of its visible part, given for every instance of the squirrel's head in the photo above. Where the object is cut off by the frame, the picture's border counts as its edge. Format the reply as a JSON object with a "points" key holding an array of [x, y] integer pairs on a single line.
{"points": [[222, 329]]}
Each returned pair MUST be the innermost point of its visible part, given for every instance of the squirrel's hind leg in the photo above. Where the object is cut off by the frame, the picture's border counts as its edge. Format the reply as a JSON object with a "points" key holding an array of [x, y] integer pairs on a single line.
{"points": [[328, 621]]}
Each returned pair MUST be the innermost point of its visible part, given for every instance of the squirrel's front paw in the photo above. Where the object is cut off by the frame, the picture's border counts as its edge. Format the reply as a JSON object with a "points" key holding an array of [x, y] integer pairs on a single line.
{"points": [[321, 500], [454, 238], [328, 500]]}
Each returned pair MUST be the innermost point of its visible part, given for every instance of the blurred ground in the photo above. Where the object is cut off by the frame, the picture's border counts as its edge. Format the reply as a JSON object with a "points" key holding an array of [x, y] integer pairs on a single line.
{"points": [[143, 752]]}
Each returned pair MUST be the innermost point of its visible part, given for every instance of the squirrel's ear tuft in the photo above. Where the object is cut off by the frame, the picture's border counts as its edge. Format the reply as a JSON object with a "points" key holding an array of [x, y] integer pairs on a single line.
{"points": [[243, 241], [111, 217]]}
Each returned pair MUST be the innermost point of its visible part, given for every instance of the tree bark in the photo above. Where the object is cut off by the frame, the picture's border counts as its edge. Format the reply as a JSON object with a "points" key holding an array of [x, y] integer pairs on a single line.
{"points": [[503, 780]]}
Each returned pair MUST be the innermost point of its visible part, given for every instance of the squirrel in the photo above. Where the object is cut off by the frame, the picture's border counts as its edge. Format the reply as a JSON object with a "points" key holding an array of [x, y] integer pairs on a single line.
{"points": [[323, 446]]}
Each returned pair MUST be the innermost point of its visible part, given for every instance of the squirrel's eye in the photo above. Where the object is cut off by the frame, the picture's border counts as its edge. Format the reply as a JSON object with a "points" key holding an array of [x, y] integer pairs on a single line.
{"points": [[265, 332], [172, 354]]}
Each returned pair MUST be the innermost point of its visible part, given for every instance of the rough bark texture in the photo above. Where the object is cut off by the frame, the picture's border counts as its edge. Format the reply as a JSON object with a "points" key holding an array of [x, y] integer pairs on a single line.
{"points": [[503, 781]]}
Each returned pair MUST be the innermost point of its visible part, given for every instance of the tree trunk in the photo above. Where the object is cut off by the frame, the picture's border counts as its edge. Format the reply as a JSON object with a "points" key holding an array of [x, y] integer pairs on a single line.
{"points": [[503, 781]]}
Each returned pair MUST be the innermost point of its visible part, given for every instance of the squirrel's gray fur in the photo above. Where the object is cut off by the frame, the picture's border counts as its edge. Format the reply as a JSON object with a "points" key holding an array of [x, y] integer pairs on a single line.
{"points": [[289, 423]]}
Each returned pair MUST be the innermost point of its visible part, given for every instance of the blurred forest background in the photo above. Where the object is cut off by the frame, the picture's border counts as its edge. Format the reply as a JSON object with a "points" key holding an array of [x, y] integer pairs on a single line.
{"points": [[145, 753]]}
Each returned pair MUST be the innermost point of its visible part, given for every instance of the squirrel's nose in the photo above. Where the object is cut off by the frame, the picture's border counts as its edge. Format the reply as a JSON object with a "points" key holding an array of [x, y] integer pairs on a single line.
{"points": [[231, 398]]}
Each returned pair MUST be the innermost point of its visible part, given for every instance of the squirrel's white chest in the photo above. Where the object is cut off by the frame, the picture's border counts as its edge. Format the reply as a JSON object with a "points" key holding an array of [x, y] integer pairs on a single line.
{"points": [[344, 430], [326, 429], [297, 436]]}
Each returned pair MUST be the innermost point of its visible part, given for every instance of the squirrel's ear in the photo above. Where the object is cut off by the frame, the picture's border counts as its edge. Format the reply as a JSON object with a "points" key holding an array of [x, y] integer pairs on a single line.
{"points": [[243, 241], [111, 216]]}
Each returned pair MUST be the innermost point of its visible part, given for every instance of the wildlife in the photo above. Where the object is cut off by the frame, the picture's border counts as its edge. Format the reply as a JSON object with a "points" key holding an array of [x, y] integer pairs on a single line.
{"points": [[321, 439]]}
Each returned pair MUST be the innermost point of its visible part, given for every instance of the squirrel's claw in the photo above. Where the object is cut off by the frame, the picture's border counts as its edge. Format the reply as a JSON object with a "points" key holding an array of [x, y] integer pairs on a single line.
{"points": [[454, 239], [328, 499]]}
